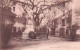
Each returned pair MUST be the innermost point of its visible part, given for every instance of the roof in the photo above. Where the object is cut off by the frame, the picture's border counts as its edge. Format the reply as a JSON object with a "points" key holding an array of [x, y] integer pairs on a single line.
{"points": [[20, 19]]}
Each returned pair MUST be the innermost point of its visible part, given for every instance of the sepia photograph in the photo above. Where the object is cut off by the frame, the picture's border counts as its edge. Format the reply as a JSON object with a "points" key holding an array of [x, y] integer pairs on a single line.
{"points": [[39, 24]]}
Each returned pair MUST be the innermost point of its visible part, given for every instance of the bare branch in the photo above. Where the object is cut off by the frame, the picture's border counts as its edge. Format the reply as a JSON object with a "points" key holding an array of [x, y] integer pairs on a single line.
{"points": [[23, 3], [39, 3], [32, 2]]}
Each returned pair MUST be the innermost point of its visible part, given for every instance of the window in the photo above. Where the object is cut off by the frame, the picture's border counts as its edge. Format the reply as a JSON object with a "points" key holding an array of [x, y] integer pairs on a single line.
{"points": [[63, 22]]}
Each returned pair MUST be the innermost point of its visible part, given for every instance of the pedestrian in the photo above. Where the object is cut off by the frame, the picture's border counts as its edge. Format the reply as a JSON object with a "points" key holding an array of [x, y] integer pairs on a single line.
{"points": [[19, 32]]}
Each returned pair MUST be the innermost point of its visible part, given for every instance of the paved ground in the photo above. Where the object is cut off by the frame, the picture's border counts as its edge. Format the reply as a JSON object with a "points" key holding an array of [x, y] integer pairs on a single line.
{"points": [[53, 43]]}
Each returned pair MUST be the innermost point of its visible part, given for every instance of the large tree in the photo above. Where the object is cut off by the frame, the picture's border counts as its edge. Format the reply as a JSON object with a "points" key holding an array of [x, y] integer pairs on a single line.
{"points": [[36, 8]]}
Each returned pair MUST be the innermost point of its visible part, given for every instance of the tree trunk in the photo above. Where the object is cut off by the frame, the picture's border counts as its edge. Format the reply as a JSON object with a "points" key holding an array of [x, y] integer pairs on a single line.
{"points": [[37, 20]]}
